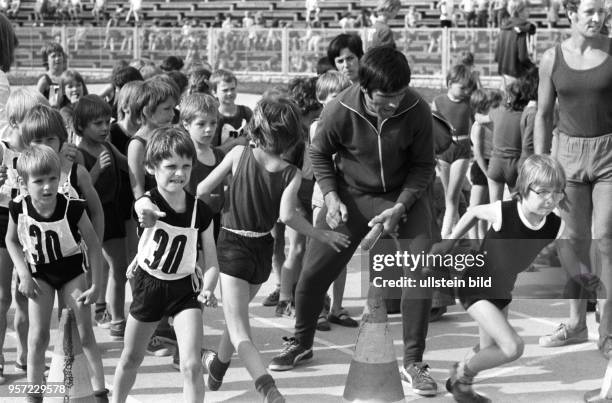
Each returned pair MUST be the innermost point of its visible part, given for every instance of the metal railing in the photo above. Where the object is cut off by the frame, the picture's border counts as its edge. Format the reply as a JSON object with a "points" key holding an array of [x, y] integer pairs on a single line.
{"points": [[257, 52]]}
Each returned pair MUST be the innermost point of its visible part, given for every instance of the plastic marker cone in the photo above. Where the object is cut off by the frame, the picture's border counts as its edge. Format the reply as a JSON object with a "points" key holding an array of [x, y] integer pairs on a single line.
{"points": [[373, 375], [69, 365]]}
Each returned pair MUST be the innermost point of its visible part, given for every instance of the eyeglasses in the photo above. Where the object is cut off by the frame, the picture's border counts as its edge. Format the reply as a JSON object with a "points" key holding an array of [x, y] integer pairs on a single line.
{"points": [[547, 194]]}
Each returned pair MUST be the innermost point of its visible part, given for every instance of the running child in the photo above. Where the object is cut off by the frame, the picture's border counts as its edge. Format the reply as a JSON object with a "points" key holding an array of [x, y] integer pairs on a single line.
{"points": [[520, 229], [17, 105], [167, 281], [261, 182], [454, 162], [103, 161], [51, 230]]}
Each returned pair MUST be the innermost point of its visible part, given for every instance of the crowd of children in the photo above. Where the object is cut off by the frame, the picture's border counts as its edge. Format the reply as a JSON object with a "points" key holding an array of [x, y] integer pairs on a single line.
{"points": [[196, 165]]}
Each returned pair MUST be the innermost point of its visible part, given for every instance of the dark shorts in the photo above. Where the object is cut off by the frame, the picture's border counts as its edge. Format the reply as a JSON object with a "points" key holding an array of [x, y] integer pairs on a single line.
{"points": [[461, 150], [503, 170], [58, 276], [4, 219], [477, 177], [153, 298], [249, 259], [114, 223], [469, 300]]}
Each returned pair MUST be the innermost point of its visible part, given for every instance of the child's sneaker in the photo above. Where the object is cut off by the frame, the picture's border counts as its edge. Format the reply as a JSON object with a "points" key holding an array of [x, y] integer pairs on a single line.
{"points": [[103, 319], [463, 393], [563, 335], [214, 381], [117, 330], [272, 299], [273, 396], [22, 369], [292, 354], [417, 375], [158, 348], [283, 309]]}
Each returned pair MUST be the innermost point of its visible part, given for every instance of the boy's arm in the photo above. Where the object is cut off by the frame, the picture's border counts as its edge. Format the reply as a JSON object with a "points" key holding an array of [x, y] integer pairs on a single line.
{"points": [[93, 200], [27, 286], [216, 177], [211, 264], [94, 253], [135, 160], [289, 215]]}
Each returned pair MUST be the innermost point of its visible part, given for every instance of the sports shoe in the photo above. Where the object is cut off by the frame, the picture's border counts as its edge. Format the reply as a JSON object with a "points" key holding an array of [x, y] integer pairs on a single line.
{"points": [[213, 382], [284, 309], [463, 392], [272, 298], [117, 330], [563, 335], [158, 348], [22, 369], [167, 335], [273, 396], [292, 354], [342, 318], [103, 319], [417, 375]]}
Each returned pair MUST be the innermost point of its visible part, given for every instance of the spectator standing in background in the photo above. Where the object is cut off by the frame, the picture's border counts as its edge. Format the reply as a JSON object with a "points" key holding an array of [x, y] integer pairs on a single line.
{"points": [[312, 10], [497, 12], [482, 13], [135, 8], [469, 12], [447, 8], [412, 18], [347, 21]]}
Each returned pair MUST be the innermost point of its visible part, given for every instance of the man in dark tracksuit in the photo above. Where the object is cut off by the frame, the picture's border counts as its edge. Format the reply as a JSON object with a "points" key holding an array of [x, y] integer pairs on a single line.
{"points": [[381, 133]]}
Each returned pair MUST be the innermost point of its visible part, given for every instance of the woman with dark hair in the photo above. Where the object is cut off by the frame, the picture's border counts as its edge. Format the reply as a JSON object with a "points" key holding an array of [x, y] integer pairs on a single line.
{"points": [[344, 52], [8, 43], [54, 61]]}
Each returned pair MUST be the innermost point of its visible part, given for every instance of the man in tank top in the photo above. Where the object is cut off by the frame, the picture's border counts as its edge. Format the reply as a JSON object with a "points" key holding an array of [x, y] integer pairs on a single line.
{"points": [[578, 74]]}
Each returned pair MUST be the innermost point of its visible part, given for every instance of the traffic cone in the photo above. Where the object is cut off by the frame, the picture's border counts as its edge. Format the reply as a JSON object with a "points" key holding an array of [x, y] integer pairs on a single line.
{"points": [[373, 375], [69, 365], [603, 395]]}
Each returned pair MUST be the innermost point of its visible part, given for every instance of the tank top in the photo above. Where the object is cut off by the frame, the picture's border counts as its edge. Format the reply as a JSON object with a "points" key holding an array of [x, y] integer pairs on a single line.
{"points": [[10, 189], [254, 198], [198, 173], [69, 183], [46, 242], [169, 252], [149, 180], [458, 114], [506, 132], [584, 97], [108, 183]]}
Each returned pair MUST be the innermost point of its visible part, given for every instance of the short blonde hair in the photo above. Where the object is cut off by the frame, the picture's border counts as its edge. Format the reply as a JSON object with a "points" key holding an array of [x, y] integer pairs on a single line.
{"points": [[197, 104], [540, 170], [38, 159], [21, 101], [329, 82]]}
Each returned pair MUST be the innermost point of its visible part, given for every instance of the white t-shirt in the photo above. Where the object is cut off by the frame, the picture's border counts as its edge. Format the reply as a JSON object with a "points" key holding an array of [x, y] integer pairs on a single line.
{"points": [[5, 91]]}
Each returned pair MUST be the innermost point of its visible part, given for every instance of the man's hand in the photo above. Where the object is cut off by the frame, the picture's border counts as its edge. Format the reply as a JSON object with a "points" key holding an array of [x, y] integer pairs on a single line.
{"points": [[390, 219], [336, 210]]}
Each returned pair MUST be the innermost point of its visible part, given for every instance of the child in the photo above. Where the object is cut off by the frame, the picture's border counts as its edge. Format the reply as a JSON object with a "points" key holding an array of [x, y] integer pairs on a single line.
{"points": [[199, 118], [91, 122], [386, 10], [126, 124], [49, 229], [17, 105], [166, 279], [454, 162], [329, 85], [72, 88], [520, 229], [153, 106], [503, 166], [232, 118], [54, 62], [261, 181], [481, 135], [528, 85]]}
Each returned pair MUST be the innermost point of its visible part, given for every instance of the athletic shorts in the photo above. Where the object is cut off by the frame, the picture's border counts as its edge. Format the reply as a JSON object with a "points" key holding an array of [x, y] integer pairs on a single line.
{"points": [[249, 259], [153, 298], [585, 159], [503, 170], [60, 275], [477, 177], [461, 150], [469, 300], [114, 224]]}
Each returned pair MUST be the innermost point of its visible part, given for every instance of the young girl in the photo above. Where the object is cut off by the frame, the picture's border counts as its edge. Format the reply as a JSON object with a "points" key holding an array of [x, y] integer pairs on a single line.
{"points": [[17, 105], [520, 229], [454, 162], [54, 62], [72, 88], [166, 279], [263, 182], [49, 229], [103, 161]]}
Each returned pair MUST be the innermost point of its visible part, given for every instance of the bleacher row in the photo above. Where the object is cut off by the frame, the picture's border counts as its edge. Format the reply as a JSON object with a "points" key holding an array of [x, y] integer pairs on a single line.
{"points": [[169, 12]]}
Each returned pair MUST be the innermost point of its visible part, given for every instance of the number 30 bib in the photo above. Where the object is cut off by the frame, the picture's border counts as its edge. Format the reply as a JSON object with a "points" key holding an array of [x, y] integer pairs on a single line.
{"points": [[169, 252]]}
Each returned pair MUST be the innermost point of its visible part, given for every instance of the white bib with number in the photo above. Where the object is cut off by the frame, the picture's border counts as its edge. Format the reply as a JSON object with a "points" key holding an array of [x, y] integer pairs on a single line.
{"points": [[45, 242], [169, 252]]}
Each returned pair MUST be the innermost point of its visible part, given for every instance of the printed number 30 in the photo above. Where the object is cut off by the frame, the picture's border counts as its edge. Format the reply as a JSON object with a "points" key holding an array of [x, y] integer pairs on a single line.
{"points": [[51, 242], [175, 254]]}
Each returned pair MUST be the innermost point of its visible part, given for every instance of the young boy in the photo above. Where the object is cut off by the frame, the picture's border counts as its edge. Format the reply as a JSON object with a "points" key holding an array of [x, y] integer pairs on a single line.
{"points": [[153, 105], [167, 281], [232, 118], [50, 229], [386, 10]]}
